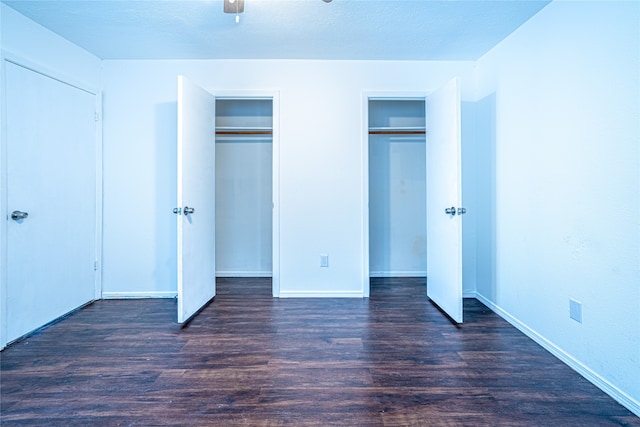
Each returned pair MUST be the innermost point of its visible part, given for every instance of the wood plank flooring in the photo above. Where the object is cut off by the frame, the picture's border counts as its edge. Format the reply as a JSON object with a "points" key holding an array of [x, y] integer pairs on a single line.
{"points": [[251, 360]]}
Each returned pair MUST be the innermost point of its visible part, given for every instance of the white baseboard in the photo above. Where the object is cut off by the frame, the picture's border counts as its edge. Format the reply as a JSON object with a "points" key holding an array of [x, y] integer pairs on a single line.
{"points": [[133, 295], [469, 294], [321, 294], [590, 375], [397, 274], [244, 273]]}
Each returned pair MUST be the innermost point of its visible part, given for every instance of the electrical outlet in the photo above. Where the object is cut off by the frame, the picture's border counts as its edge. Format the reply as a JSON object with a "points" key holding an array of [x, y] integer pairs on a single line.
{"points": [[575, 310], [324, 260]]}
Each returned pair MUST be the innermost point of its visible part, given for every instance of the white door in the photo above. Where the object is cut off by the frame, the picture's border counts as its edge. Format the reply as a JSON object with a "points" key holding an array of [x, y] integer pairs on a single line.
{"points": [[51, 177], [444, 200], [196, 199]]}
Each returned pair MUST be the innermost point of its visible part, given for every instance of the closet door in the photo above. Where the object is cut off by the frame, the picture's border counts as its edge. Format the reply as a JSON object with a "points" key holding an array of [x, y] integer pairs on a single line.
{"points": [[51, 199], [196, 199], [444, 198]]}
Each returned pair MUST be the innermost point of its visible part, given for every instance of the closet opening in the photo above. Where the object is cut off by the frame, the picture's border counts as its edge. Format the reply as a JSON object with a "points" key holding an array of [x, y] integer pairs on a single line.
{"points": [[396, 190], [244, 191]]}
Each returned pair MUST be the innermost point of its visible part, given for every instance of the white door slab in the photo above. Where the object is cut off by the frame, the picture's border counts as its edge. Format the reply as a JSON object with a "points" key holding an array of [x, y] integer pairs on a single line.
{"points": [[196, 199], [51, 177], [444, 192]]}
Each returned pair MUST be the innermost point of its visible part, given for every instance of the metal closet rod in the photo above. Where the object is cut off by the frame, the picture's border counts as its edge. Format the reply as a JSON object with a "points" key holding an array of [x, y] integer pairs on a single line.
{"points": [[244, 132], [397, 132]]}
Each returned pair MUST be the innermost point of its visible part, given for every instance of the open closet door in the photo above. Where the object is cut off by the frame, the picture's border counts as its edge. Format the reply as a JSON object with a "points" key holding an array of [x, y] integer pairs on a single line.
{"points": [[196, 199], [444, 188]]}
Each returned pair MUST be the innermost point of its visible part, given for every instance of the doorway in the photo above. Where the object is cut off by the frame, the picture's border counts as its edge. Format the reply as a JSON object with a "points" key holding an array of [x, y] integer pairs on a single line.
{"points": [[397, 187], [196, 182], [443, 189], [244, 187]]}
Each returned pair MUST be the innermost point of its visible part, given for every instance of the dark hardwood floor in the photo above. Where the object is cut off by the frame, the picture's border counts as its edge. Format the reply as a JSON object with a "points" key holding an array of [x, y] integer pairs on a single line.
{"points": [[251, 360]]}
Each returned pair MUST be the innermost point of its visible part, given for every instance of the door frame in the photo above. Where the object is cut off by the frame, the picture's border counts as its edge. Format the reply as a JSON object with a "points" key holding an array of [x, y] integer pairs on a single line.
{"points": [[366, 97], [7, 56], [274, 96]]}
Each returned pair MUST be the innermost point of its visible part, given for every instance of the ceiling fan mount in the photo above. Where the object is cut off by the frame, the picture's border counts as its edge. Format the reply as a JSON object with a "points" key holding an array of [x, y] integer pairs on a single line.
{"points": [[233, 6], [237, 6]]}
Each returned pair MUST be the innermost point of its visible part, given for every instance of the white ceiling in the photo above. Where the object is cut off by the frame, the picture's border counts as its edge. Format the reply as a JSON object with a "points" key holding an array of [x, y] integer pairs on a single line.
{"points": [[283, 29]]}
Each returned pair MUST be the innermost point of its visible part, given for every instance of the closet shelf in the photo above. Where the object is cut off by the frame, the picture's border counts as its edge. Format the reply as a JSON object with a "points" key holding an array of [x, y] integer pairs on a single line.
{"points": [[244, 131], [397, 131]]}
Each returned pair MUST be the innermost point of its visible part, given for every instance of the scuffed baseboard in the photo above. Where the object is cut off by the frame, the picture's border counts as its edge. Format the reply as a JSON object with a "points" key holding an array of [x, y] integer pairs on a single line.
{"points": [[244, 273], [397, 274], [134, 295]]}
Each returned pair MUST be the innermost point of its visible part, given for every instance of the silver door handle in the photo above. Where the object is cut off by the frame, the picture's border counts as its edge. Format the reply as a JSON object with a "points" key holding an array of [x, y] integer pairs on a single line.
{"points": [[462, 211], [188, 211], [17, 215], [450, 211]]}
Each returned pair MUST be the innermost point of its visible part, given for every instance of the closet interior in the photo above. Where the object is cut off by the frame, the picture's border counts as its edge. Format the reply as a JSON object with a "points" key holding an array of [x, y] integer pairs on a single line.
{"points": [[397, 188], [244, 159]]}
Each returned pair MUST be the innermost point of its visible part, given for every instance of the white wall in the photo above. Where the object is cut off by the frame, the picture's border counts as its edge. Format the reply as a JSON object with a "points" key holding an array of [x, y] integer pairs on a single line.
{"points": [[34, 44], [397, 205], [26, 43], [321, 171], [559, 186], [243, 207]]}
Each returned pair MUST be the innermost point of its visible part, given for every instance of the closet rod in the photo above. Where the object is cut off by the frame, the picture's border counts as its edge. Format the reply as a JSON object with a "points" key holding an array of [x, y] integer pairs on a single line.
{"points": [[397, 132], [244, 132]]}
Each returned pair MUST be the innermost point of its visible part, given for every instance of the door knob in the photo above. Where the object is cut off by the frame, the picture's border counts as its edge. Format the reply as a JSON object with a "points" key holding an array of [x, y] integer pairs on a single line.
{"points": [[450, 211], [188, 211], [17, 215]]}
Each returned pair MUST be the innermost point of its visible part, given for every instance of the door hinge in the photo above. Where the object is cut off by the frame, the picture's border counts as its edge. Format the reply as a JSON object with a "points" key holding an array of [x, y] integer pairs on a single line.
{"points": [[96, 116], [95, 265]]}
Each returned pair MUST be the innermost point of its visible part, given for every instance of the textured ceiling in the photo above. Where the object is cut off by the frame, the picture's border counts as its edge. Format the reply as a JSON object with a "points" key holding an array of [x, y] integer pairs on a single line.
{"points": [[283, 29]]}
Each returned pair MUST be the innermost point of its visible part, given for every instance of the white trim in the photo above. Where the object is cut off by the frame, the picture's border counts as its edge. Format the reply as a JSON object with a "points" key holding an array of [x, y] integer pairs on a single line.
{"points": [[275, 194], [469, 294], [136, 295], [48, 72], [321, 294], [244, 273], [421, 273], [396, 96], [593, 377], [364, 197], [245, 94], [99, 198], [3, 204]]}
